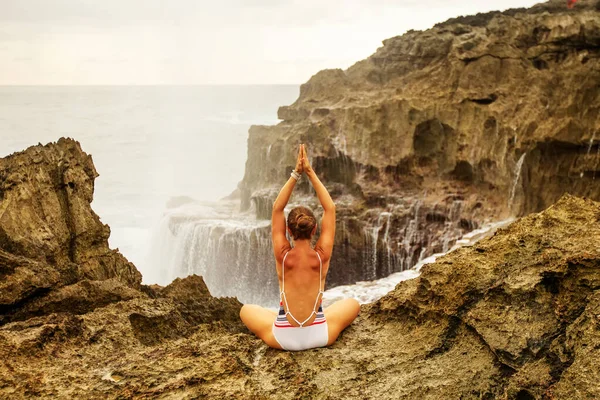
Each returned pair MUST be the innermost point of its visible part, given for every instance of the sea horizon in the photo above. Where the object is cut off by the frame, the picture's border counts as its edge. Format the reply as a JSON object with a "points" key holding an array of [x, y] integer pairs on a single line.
{"points": [[149, 143]]}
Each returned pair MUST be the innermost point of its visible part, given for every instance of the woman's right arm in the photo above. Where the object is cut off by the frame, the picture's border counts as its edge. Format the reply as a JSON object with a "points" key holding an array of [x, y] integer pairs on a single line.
{"points": [[325, 242], [278, 226]]}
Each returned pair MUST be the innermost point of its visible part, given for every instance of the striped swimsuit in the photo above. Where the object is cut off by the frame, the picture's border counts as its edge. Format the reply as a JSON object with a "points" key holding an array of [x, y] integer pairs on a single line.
{"points": [[301, 337]]}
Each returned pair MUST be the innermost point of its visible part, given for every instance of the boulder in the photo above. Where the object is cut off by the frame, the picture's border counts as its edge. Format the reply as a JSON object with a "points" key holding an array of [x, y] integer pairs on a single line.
{"points": [[49, 235]]}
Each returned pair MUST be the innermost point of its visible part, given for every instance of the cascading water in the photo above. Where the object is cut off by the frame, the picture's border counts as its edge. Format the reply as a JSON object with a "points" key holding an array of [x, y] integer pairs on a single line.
{"points": [[589, 150], [367, 292], [233, 252], [400, 238], [450, 229], [410, 233], [386, 240], [513, 190], [234, 256], [591, 143], [372, 237], [339, 142]]}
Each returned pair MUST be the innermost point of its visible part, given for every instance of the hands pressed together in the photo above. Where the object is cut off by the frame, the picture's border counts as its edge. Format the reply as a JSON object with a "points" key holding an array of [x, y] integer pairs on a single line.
{"points": [[302, 164]]}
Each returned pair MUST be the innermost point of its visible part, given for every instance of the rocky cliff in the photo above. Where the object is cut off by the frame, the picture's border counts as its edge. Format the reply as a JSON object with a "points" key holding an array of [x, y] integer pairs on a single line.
{"points": [[50, 239], [515, 316], [476, 119], [57, 270]]}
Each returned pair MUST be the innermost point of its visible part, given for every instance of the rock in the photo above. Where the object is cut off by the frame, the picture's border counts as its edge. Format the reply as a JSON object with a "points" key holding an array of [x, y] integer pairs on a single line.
{"points": [[30, 337], [435, 122], [79, 298], [532, 280], [180, 308], [49, 235], [23, 278], [197, 306], [289, 113], [581, 351], [157, 323], [514, 316]]}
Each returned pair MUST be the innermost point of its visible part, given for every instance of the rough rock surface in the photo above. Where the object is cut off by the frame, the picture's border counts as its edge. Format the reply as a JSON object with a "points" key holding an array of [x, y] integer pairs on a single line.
{"points": [[475, 119], [63, 287], [515, 316], [49, 235]]}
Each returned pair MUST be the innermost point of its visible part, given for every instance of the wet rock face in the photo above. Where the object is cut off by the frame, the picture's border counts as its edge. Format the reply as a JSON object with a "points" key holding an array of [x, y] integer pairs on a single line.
{"points": [[441, 115]]}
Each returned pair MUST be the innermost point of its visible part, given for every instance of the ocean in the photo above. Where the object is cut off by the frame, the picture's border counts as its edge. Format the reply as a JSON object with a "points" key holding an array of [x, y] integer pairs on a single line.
{"points": [[150, 144]]}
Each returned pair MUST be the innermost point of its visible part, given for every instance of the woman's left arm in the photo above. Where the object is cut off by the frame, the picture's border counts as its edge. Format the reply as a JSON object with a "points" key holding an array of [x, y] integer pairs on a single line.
{"points": [[280, 242]]}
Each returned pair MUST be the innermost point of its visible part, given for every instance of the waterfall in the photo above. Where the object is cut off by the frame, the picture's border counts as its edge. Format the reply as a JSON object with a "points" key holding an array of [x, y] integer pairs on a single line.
{"points": [[450, 228], [235, 257], [370, 252], [589, 150], [386, 240], [367, 292], [591, 143], [410, 234], [516, 181], [389, 249], [340, 146], [339, 142], [372, 237]]}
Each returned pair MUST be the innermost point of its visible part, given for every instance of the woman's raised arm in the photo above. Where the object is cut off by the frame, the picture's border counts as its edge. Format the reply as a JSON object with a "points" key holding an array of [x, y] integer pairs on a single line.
{"points": [[325, 242], [280, 242]]}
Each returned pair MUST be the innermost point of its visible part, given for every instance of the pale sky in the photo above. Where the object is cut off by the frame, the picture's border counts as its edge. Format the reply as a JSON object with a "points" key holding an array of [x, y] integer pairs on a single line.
{"points": [[131, 42]]}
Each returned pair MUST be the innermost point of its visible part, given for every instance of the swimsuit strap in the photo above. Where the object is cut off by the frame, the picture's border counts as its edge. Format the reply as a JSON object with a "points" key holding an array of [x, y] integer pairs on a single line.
{"points": [[320, 271], [283, 290]]}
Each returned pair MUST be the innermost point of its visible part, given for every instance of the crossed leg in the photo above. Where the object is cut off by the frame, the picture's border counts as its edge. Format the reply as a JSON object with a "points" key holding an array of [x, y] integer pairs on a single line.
{"points": [[260, 321], [339, 315]]}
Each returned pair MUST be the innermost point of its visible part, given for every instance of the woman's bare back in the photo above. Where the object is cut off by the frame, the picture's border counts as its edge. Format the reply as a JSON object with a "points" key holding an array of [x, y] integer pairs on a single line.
{"points": [[302, 291]]}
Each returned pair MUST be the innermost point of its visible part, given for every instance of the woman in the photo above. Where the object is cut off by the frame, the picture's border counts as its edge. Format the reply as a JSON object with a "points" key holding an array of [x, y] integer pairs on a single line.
{"points": [[301, 322]]}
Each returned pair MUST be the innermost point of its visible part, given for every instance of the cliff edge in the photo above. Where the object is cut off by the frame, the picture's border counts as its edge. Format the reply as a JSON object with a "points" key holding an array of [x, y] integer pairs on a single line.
{"points": [[514, 316], [476, 119]]}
